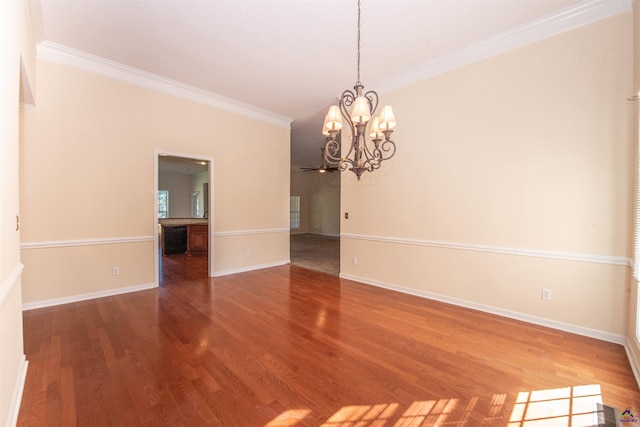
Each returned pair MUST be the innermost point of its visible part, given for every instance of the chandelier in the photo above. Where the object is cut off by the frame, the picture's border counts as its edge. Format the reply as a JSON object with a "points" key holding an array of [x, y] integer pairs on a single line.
{"points": [[358, 108]]}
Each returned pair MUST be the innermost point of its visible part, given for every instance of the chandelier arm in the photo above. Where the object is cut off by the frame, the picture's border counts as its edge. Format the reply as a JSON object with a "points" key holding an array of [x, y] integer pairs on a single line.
{"points": [[352, 146], [332, 155], [372, 162], [346, 100], [332, 151], [372, 96], [344, 165], [387, 146], [370, 154]]}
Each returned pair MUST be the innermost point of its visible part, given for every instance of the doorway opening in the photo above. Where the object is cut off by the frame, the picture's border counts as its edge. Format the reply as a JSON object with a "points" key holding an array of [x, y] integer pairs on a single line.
{"points": [[183, 214], [314, 213]]}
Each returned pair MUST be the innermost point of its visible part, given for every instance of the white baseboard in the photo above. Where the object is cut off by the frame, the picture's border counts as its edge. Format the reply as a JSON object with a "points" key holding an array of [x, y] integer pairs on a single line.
{"points": [[632, 354], [326, 234], [118, 291], [316, 234], [567, 327], [16, 400], [84, 297], [251, 232], [250, 268]]}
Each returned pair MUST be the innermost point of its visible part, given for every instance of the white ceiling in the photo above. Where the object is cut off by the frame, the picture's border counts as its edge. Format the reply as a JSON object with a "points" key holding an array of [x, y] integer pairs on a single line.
{"points": [[294, 57], [181, 165]]}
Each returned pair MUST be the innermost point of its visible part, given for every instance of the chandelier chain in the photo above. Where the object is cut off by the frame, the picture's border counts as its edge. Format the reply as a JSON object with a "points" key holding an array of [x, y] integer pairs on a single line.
{"points": [[358, 79]]}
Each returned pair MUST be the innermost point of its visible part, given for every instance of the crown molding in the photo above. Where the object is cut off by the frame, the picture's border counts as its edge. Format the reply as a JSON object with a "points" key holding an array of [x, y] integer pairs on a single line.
{"points": [[579, 15], [64, 55]]}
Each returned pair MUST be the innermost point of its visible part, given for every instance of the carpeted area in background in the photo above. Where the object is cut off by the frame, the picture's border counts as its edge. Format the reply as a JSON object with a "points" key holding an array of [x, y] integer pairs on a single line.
{"points": [[316, 252]]}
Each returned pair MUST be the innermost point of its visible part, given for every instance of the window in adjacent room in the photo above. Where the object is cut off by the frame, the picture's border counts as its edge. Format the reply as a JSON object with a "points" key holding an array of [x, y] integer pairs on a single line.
{"points": [[163, 203], [195, 204], [294, 212]]}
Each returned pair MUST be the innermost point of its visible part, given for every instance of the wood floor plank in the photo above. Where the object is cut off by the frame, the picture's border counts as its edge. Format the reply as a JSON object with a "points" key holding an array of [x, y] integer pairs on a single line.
{"points": [[288, 346]]}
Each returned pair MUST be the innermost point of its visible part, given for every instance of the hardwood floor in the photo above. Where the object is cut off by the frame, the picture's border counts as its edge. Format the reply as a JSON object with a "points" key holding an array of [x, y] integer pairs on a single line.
{"points": [[288, 346]]}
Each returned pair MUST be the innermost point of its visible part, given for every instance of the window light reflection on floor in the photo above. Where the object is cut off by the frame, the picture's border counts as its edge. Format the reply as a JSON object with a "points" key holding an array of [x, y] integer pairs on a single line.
{"points": [[563, 407], [569, 406], [288, 418], [369, 415]]}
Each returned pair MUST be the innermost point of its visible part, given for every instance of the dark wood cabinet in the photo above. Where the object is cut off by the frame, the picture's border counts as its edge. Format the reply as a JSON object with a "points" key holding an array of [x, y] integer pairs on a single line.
{"points": [[198, 239], [192, 239]]}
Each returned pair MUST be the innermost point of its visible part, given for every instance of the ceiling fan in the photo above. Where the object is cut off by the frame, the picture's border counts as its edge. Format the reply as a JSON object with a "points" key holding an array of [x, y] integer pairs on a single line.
{"points": [[323, 168]]}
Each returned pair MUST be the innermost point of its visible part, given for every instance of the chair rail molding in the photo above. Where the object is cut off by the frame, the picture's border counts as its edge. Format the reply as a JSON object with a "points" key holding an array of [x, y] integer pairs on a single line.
{"points": [[85, 242], [565, 256]]}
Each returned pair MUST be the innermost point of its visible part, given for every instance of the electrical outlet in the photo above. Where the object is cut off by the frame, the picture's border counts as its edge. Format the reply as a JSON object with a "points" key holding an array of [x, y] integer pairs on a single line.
{"points": [[346, 215], [115, 271], [354, 260], [546, 294]]}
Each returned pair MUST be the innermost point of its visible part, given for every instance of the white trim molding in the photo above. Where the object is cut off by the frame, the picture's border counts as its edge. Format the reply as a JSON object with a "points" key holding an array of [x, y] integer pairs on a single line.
{"points": [[251, 232], [16, 399], [575, 16], [60, 54], [564, 256], [250, 268], [631, 348], [567, 327], [10, 283], [6, 288], [26, 107], [88, 296], [85, 242]]}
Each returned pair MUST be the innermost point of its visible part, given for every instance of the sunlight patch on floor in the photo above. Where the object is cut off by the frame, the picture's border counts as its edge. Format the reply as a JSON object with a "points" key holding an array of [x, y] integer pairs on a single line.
{"points": [[288, 418], [568, 406], [576, 406], [369, 415]]}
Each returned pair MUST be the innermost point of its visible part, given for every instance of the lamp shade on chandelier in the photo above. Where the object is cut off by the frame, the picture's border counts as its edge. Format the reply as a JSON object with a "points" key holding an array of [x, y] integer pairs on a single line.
{"points": [[358, 109]]}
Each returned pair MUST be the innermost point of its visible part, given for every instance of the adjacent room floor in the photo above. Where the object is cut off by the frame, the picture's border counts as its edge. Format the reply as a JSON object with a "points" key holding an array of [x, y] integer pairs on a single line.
{"points": [[316, 252]]}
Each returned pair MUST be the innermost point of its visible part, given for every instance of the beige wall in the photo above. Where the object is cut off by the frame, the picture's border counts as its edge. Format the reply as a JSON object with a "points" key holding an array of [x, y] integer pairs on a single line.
{"points": [[513, 174], [319, 201], [87, 177], [16, 47]]}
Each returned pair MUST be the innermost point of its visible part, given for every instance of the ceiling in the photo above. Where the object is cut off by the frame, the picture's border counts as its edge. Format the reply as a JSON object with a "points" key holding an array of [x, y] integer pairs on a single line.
{"points": [[289, 57], [181, 165]]}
